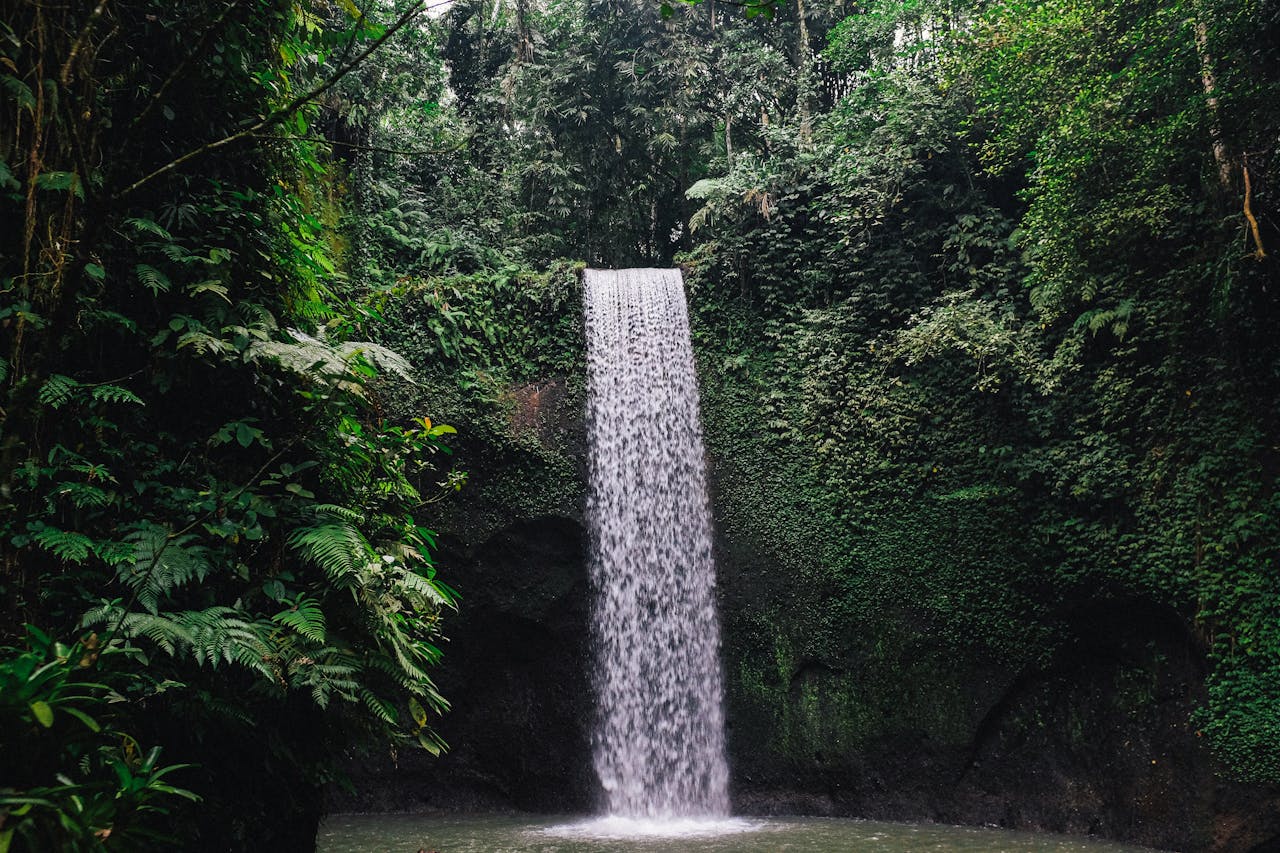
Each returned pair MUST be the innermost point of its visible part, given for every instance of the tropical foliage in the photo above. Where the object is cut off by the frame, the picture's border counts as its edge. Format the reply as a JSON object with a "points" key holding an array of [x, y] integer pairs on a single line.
{"points": [[196, 478], [983, 295]]}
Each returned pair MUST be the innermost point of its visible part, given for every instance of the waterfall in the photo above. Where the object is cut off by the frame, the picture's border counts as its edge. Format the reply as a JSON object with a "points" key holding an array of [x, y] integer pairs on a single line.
{"points": [[659, 737]]}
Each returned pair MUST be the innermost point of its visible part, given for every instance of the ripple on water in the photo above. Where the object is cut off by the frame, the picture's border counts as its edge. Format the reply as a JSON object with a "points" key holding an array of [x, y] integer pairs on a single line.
{"points": [[619, 828]]}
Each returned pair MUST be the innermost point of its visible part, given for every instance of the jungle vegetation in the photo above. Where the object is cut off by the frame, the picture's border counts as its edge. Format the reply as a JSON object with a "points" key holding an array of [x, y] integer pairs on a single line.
{"points": [[1016, 258]]}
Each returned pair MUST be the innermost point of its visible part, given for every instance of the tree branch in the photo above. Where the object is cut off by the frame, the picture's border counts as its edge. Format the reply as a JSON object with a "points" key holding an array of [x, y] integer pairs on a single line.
{"points": [[1260, 252], [65, 75]]}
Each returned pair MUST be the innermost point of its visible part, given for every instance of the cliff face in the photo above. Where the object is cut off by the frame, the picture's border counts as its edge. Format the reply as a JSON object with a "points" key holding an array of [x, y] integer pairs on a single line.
{"points": [[907, 655], [901, 726]]}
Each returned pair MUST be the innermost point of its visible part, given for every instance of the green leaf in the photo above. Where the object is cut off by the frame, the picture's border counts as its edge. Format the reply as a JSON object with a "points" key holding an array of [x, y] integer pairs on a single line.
{"points": [[95, 271], [84, 718], [305, 617], [213, 286], [429, 743], [43, 713], [418, 713]]}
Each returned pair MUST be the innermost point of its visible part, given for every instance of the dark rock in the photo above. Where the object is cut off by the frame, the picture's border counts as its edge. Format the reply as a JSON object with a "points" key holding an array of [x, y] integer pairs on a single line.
{"points": [[516, 673]]}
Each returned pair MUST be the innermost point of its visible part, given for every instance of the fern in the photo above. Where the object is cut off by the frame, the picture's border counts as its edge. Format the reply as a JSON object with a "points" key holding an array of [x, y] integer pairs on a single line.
{"points": [[115, 394], [338, 548], [422, 590], [342, 512], [177, 254], [86, 495], [152, 279], [380, 708], [167, 633], [58, 390], [147, 226], [161, 565], [114, 553], [203, 343], [325, 672], [313, 311], [210, 637], [1115, 319], [304, 355], [60, 182], [95, 316], [379, 356], [223, 635], [213, 286], [65, 544], [305, 617], [319, 360]]}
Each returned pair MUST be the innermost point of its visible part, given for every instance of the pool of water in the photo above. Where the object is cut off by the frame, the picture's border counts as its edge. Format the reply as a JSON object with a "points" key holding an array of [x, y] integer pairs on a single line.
{"points": [[505, 834]]}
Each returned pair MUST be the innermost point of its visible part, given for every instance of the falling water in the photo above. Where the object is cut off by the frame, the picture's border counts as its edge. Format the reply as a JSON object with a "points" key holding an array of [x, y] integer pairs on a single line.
{"points": [[659, 740]]}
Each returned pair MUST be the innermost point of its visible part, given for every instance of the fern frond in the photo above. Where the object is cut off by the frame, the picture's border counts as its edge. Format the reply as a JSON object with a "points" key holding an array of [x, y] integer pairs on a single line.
{"points": [[422, 590], [213, 286], [304, 355], [152, 279], [114, 553], [166, 633], [222, 635], [304, 617], [65, 544], [381, 357], [176, 253], [162, 564], [380, 708], [204, 343], [140, 226], [342, 512], [338, 548], [85, 495], [57, 390], [116, 394]]}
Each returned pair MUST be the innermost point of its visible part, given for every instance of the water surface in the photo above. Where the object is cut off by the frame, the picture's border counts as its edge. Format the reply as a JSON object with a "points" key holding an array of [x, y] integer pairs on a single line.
{"points": [[505, 834]]}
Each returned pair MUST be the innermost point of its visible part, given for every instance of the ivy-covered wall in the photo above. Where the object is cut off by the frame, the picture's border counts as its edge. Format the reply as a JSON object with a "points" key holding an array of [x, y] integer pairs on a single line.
{"points": [[903, 637]]}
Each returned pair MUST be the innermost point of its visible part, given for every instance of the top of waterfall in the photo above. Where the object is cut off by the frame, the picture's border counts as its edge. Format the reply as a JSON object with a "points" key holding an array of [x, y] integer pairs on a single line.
{"points": [[598, 270]]}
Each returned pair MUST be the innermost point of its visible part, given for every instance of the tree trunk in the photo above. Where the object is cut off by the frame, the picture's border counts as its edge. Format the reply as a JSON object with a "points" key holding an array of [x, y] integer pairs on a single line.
{"points": [[1210, 84], [805, 83]]}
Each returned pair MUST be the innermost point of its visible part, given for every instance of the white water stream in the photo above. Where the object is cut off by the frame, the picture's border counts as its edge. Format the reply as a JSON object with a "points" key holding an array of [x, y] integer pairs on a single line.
{"points": [[659, 739]]}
